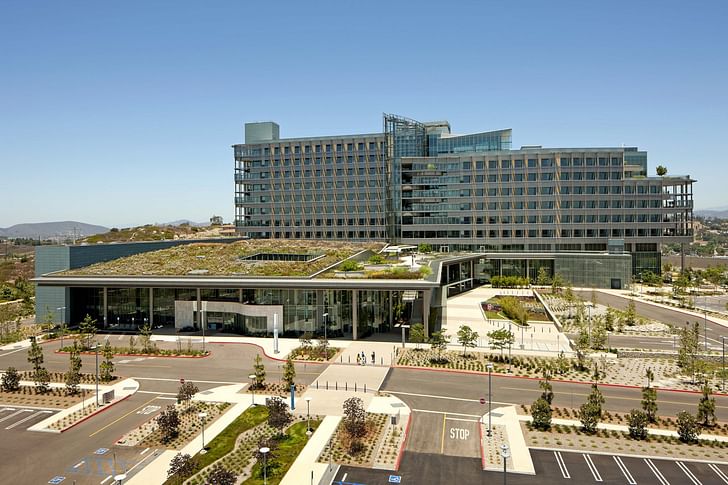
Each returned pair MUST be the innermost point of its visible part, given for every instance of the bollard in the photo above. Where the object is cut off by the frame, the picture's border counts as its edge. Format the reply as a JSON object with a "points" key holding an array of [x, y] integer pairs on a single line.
{"points": [[316, 383], [381, 361], [327, 385], [350, 359], [355, 387], [341, 358], [365, 388], [346, 387], [337, 385]]}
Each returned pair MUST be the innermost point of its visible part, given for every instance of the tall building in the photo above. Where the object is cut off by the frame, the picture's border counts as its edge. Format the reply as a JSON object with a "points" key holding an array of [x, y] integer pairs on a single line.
{"points": [[420, 183]]}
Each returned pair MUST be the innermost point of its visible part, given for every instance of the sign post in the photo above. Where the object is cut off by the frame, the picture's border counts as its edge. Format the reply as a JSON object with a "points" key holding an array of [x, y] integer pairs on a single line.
{"points": [[293, 397]]}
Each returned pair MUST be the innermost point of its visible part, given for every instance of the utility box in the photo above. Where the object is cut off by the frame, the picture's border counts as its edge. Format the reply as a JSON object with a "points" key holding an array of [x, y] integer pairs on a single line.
{"points": [[107, 397]]}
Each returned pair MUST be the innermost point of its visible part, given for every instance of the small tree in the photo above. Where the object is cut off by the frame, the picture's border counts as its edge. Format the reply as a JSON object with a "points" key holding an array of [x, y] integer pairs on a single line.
{"points": [[41, 378], [145, 337], [107, 365], [181, 468], [557, 282], [689, 347], [467, 337], [661, 170], [278, 415], [186, 392], [688, 427], [649, 403], [541, 414], [438, 343], [305, 340], [87, 328], [547, 391], [543, 278], [289, 372], [500, 339], [11, 380], [354, 417], [609, 319], [630, 315], [259, 371], [221, 476], [637, 424], [706, 408], [417, 334], [132, 344], [168, 423], [589, 415], [73, 376]]}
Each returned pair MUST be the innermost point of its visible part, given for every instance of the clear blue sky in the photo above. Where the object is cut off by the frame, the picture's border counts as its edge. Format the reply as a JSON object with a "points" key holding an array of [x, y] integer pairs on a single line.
{"points": [[123, 113]]}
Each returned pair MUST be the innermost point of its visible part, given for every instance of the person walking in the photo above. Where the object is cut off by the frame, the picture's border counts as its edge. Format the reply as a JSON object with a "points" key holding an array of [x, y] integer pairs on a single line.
{"points": [[374, 357]]}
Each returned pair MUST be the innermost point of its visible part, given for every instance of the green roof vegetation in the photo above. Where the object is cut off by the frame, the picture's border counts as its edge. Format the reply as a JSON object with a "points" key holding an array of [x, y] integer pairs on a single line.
{"points": [[220, 259]]}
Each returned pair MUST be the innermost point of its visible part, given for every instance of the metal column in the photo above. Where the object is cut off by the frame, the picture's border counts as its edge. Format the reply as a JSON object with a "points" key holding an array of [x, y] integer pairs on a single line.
{"points": [[198, 307], [106, 306], [151, 307], [354, 313]]}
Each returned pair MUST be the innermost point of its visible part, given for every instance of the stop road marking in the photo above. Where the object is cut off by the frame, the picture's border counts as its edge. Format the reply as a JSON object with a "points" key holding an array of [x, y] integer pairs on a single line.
{"points": [[459, 434]]}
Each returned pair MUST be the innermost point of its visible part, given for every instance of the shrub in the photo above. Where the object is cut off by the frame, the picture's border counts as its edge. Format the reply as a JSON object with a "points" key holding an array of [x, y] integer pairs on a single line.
{"points": [[688, 427], [10, 380], [637, 423], [541, 414]]}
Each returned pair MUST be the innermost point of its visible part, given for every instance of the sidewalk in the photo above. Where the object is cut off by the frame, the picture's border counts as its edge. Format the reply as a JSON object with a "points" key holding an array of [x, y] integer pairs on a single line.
{"points": [[506, 418]]}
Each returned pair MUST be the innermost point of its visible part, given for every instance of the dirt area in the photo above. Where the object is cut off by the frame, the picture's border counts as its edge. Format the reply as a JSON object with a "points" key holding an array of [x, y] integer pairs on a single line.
{"points": [[337, 448], [28, 396]]}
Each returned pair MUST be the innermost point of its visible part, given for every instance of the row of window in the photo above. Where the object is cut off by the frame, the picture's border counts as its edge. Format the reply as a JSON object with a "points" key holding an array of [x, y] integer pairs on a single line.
{"points": [[535, 233], [327, 147], [529, 163], [295, 162]]}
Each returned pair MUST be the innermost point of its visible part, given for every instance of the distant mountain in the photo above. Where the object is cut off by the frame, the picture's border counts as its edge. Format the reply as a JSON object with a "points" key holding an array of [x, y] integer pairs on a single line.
{"points": [[712, 213], [48, 230]]}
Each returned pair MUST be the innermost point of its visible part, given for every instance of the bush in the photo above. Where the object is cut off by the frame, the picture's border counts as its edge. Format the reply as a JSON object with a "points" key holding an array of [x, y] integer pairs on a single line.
{"points": [[688, 427], [541, 414], [637, 423], [349, 265], [508, 281], [11, 380]]}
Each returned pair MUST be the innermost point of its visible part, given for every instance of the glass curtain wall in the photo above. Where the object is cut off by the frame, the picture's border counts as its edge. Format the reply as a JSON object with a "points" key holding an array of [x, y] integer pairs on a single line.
{"points": [[127, 307]]}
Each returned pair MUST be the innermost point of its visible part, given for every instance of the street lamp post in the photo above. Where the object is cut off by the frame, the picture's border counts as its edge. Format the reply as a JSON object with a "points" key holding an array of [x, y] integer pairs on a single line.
{"points": [[252, 387], [264, 450], [308, 415], [95, 348], [705, 328], [326, 340], [202, 417], [723, 359], [60, 321], [505, 454], [489, 366]]}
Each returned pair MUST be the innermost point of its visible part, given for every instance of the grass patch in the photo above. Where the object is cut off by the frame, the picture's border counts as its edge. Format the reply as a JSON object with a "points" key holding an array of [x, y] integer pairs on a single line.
{"points": [[288, 450], [224, 443]]}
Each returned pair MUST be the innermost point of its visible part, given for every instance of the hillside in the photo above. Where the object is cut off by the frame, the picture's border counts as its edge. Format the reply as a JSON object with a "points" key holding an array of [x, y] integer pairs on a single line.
{"points": [[151, 232], [47, 230]]}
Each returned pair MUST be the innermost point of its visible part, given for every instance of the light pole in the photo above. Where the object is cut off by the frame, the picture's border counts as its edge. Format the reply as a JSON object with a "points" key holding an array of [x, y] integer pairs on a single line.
{"points": [[326, 340], [202, 417], [252, 388], [723, 359], [505, 454], [120, 478], [705, 328], [96, 349], [489, 366], [264, 450], [308, 415], [590, 335], [203, 324], [60, 321]]}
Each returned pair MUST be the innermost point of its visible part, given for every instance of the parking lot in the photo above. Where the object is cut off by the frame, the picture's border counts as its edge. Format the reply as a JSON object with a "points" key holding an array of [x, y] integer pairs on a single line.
{"points": [[21, 418]]}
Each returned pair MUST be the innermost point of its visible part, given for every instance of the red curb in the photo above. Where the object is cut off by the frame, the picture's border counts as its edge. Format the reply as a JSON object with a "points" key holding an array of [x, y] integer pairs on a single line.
{"points": [[565, 381], [98, 411], [145, 355], [482, 452], [404, 443]]}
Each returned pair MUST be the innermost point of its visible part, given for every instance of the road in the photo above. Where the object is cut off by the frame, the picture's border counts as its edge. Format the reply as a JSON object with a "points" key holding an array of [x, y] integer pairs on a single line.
{"points": [[87, 454], [664, 315]]}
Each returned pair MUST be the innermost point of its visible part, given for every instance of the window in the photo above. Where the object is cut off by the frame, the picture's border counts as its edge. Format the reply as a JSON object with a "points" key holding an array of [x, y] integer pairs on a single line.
{"points": [[505, 164], [532, 163]]}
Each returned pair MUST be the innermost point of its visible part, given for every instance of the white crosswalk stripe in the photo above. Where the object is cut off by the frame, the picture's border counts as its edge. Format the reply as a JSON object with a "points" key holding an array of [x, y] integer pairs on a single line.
{"points": [[19, 411]]}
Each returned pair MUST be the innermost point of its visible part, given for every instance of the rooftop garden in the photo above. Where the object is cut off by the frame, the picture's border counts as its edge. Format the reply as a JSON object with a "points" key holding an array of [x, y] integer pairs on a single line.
{"points": [[239, 258]]}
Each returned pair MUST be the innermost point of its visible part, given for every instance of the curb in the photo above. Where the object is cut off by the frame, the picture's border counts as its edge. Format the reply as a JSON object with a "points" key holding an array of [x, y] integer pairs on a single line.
{"points": [[298, 361], [482, 450], [564, 381], [159, 356], [98, 411], [404, 442]]}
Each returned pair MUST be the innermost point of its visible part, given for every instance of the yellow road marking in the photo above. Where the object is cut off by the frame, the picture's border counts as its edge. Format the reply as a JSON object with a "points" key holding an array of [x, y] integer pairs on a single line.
{"points": [[442, 441], [119, 419]]}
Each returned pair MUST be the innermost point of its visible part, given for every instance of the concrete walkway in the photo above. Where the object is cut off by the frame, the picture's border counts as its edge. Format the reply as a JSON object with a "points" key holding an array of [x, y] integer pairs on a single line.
{"points": [[507, 418]]}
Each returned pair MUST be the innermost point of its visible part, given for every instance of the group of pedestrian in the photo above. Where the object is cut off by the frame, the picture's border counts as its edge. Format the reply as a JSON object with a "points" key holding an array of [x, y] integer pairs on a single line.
{"points": [[361, 358]]}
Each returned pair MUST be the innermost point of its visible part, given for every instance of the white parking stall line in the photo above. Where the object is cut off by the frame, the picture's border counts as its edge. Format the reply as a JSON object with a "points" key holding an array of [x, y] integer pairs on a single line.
{"points": [[687, 472], [19, 411], [106, 479], [718, 472], [657, 473], [562, 465], [79, 464], [592, 468], [625, 471], [30, 416]]}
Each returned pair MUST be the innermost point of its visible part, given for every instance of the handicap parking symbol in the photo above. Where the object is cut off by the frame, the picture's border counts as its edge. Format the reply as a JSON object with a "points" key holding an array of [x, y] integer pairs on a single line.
{"points": [[395, 479], [101, 451], [56, 480]]}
